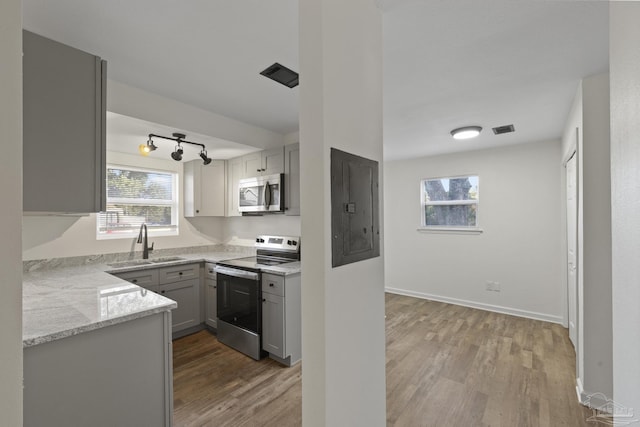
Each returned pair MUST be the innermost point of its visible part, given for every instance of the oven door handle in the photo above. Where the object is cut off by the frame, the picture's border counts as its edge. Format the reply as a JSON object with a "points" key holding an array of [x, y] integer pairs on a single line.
{"points": [[233, 272]]}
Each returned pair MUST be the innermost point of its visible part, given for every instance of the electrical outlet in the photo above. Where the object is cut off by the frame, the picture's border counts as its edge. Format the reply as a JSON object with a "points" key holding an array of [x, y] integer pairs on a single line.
{"points": [[492, 286]]}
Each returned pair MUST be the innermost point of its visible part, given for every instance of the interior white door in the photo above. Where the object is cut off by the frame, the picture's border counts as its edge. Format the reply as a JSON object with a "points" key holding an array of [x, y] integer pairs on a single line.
{"points": [[572, 246]]}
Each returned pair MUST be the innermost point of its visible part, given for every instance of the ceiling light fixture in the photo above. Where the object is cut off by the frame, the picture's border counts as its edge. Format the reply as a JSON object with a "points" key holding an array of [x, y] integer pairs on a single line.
{"points": [[145, 149], [204, 157], [177, 153], [466, 132]]}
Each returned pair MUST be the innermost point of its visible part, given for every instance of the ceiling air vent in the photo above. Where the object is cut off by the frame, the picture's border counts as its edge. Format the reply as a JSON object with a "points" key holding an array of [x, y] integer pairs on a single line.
{"points": [[282, 75], [503, 129]]}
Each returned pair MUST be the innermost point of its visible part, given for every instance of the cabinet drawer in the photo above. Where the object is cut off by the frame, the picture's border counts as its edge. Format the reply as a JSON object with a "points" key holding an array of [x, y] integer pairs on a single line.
{"points": [[178, 273], [144, 278], [208, 270], [273, 284]]}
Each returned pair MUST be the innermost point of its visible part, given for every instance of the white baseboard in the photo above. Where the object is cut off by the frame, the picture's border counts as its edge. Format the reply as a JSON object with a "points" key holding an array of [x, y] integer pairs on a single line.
{"points": [[481, 306]]}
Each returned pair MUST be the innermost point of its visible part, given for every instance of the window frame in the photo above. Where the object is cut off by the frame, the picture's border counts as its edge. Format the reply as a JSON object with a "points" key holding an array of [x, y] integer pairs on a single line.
{"points": [[174, 204], [448, 228]]}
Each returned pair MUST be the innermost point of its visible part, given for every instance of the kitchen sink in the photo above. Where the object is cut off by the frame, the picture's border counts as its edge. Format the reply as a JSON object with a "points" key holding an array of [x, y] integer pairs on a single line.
{"points": [[166, 259], [130, 263]]}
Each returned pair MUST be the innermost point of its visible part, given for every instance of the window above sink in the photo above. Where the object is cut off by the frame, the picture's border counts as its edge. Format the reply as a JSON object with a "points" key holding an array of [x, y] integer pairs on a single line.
{"points": [[136, 196]]}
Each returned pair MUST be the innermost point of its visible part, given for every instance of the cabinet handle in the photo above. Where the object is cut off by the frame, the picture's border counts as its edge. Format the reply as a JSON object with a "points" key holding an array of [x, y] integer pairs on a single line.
{"points": [[197, 210], [180, 273], [258, 170], [264, 300], [162, 292], [134, 281], [271, 284], [210, 271], [215, 287]]}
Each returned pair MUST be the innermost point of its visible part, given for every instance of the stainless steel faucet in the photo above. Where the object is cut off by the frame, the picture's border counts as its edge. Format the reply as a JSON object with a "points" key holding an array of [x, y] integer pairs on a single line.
{"points": [[144, 241]]}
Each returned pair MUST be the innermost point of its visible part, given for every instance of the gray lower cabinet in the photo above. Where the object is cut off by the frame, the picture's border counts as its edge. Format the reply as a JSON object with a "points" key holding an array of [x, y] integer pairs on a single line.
{"points": [[211, 297], [64, 127], [281, 319], [147, 279], [119, 375], [181, 283]]}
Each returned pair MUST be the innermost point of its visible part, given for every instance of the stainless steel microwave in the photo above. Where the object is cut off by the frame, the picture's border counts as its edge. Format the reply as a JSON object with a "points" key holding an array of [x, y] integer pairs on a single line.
{"points": [[261, 194]]}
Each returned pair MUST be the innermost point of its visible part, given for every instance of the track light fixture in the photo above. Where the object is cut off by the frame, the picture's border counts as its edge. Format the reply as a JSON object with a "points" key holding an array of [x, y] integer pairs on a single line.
{"points": [[203, 156], [177, 153], [145, 149]]}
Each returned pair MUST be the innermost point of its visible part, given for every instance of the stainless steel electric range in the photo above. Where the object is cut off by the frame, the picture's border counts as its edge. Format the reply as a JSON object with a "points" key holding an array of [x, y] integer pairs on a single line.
{"points": [[239, 292]]}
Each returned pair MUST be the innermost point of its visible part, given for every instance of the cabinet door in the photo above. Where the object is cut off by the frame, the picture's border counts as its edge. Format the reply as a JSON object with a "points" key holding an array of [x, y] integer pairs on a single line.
{"points": [[292, 179], [212, 188], [211, 301], [272, 161], [252, 164], [204, 188], [235, 171], [64, 128], [273, 324], [186, 294]]}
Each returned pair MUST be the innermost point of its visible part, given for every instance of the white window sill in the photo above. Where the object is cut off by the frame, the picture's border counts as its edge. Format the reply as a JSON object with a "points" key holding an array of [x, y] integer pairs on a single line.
{"points": [[450, 230]]}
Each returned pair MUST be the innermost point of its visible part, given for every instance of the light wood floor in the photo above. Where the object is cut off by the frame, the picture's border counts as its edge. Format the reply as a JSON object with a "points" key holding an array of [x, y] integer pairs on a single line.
{"points": [[446, 366]]}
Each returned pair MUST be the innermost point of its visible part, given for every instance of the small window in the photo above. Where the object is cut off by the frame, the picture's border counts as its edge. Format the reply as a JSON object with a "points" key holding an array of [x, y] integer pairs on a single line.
{"points": [[450, 203], [137, 196]]}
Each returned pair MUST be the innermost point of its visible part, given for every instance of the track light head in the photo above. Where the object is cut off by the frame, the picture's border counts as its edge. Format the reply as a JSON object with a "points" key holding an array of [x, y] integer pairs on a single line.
{"points": [[203, 156], [177, 154], [145, 149]]}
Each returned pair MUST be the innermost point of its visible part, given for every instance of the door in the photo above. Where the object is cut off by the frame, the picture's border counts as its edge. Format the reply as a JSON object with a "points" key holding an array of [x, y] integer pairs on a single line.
{"points": [[237, 302], [572, 248]]}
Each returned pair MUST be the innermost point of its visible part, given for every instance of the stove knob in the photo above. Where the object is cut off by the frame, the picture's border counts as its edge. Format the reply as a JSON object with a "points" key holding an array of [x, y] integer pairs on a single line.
{"points": [[257, 240], [289, 242], [294, 243]]}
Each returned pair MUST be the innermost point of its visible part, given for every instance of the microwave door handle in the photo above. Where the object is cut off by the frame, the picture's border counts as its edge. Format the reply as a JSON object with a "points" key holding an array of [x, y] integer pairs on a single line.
{"points": [[267, 195]]}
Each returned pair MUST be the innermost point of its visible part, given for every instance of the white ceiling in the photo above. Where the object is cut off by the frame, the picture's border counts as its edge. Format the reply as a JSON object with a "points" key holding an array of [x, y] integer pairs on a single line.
{"points": [[447, 63]]}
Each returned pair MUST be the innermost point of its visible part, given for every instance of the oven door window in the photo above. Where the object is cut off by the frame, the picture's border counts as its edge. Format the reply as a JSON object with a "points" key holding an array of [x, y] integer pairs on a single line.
{"points": [[238, 302]]}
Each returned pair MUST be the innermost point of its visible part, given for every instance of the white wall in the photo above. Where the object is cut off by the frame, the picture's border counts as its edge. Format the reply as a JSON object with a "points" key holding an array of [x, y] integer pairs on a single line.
{"points": [[590, 116], [61, 236], [11, 213], [243, 230], [519, 213], [343, 345], [595, 203], [64, 236], [625, 181], [134, 102]]}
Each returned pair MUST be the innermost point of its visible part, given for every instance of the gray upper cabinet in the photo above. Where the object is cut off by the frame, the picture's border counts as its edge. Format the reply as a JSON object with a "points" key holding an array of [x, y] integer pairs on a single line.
{"points": [[292, 179], [204, 188], [235, 171], [266, 162], [64, 108]]}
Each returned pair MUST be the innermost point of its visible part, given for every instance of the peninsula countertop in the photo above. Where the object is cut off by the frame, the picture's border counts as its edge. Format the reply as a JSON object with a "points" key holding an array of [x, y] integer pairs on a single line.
{"points": [[63, 300]]}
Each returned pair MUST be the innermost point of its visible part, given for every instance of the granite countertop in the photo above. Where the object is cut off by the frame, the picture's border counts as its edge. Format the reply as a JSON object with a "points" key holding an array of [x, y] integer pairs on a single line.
{"points": [[62, 298]]}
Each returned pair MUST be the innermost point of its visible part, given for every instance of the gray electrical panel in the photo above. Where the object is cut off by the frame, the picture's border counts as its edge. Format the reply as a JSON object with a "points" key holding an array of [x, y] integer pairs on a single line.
{"points": [[355, 223]]}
